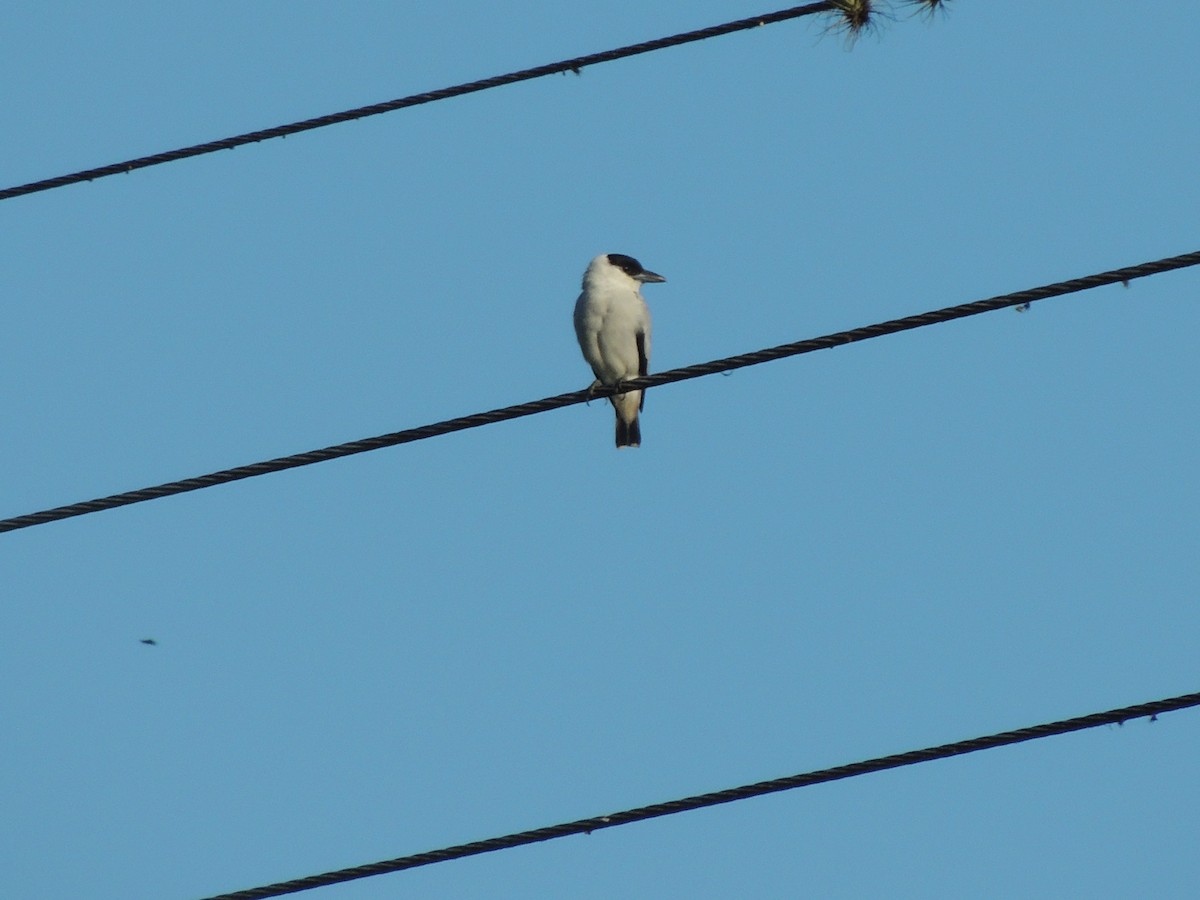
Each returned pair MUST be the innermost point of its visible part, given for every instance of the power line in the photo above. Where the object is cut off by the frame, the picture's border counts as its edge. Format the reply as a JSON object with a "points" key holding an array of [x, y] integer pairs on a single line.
{"points": [[639, 814], [836, 339], [362, 112]]}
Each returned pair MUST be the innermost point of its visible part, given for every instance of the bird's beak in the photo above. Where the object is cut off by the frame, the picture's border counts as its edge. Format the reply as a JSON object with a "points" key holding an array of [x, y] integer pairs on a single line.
{"points": [[650, 278]]}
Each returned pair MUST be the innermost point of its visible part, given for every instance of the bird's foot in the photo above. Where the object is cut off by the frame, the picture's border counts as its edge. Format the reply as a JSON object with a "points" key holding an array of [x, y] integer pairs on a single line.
{"points": [[591, 391]]}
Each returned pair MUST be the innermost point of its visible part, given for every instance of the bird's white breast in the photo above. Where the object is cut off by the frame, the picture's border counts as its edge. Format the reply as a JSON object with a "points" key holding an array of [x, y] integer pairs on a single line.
{"points": [[608, 317]]}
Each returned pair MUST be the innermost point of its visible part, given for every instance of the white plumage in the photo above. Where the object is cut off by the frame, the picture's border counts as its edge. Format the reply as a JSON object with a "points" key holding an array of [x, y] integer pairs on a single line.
{"points": [[612, 323]]}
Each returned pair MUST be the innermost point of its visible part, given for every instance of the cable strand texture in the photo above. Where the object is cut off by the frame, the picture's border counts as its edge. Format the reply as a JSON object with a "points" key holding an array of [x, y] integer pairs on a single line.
{"points": [[639, 814], [532, 407]]}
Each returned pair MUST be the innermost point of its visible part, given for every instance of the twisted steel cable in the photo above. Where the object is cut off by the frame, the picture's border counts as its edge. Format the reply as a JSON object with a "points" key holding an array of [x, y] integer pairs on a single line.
{"points": [[641, 813], [757, 357], [362, 112]]}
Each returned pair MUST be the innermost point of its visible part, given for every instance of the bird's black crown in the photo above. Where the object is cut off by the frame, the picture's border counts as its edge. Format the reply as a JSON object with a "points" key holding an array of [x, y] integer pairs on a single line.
{"points": [[626, 264]]}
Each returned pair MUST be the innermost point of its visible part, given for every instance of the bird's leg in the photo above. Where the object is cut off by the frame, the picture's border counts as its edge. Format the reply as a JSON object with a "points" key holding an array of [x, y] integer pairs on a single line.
{"points": [[591, 391]]}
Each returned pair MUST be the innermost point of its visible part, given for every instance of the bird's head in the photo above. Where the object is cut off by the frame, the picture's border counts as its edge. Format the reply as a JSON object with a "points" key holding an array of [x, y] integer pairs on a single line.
{"points": [[618, 266]]}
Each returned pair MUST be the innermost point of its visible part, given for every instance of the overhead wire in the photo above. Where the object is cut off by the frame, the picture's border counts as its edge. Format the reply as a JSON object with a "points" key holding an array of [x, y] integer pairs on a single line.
{"points": [[837, 339], [575, 65], [639, 814]]}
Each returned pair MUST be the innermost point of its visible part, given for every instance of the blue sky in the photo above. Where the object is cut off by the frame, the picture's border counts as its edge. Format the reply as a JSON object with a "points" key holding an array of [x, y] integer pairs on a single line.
{"points": [[927, 537]]}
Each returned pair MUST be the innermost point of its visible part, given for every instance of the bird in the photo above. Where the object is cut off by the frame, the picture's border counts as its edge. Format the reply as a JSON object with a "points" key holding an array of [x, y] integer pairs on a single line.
{"points": [[612, 323], [150, 641]]}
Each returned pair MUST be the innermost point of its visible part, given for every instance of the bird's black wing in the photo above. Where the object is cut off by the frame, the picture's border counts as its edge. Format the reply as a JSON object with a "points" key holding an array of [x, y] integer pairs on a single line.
{"points": [[643, 363]]}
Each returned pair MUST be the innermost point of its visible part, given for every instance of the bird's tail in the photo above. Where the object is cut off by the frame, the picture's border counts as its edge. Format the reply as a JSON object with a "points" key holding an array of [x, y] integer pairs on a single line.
{"points": [[629, 431], [629, 434]]}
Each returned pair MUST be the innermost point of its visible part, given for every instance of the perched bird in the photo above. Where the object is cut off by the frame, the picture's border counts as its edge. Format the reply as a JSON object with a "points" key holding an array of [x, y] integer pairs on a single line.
{"points": [[612, 323]]}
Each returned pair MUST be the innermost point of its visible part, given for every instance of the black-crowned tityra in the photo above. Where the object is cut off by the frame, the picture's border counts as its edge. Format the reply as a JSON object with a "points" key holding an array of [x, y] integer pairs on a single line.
{"points": [[612, 323]]}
